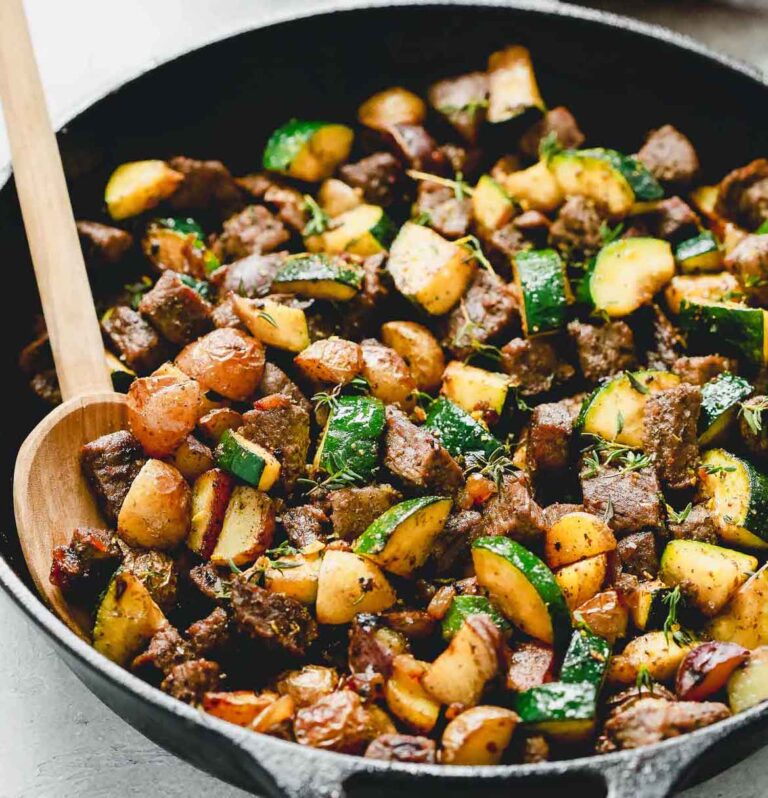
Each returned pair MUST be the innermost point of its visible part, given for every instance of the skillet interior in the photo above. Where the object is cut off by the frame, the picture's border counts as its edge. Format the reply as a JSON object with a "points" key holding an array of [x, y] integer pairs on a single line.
{"points": [[222, 102]]}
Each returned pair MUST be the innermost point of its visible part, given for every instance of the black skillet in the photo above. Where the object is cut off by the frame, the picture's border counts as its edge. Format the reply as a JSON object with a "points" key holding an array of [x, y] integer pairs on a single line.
{"points": [[619, 77]]}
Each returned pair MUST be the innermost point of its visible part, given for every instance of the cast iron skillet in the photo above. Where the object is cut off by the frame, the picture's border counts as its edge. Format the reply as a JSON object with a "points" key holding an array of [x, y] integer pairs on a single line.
{"points": [[619, 77]]}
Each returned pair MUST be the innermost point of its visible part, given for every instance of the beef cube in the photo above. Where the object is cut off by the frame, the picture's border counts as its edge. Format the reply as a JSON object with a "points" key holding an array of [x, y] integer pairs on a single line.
{"points": [[669, 156], [134, 340], [701, 369], [166, 650], [304, 525], [413, 145], [629, 500], [159, 573], [572, 405], [670, 424], [282, 427], [603, 350], [252, 231], [250, 276], [45, 385], [442, 210], [554, 512], [353, 510], [638, 556], [451, 546], [504, 243], [369, 652], [403, 748], [85, 564], [361, 313], [209, 582], [698, 524], [175, 310], [417, 458], [290, 205], [190, 681], [559, 121], [513, 512], [336, 722], [549, 438], [748, 260], [210, 633], [533, 365], [671, 219], [578, 228], [463, 101], [223, 315], [666, 342], [273, 618], [110, 464], [275, 380], [207, 185], [743, 195], [378, 175], [488, 311], [102, 245], [459, 159], [413, 624]]}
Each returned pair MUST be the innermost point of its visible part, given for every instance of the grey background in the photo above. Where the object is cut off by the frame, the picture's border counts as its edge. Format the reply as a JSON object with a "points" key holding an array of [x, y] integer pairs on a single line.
{"points": [[56, 739]]}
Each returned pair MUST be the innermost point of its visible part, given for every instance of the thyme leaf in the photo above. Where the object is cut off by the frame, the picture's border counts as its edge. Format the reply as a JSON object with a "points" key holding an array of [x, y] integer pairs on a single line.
{"points": [[609, 234], [476, 252], [549, 146], [752, 413], [714, 470], [679, 517], [319, 220], [137, 290], [636, 384], [460, 188], [493, 467]]}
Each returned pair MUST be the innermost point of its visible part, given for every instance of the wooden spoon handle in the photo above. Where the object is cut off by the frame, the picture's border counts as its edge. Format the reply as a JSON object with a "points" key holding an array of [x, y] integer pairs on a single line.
{"points": [[65, 294]]}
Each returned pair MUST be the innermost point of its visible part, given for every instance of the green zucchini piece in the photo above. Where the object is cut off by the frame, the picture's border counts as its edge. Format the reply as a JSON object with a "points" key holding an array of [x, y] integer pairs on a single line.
{"points": [[458, 431], [247, 460], [701, 253], [561, 710], [524, 588], [364, 230], [540, 276], [475, 389], [464, 606], [401, 539], [309, 151], [319, 276], [120, 374], [492, 207], [351, 437], [185, 226], [586, 659], [720, 401], [737, 495], [614, 410], [202, 287]]}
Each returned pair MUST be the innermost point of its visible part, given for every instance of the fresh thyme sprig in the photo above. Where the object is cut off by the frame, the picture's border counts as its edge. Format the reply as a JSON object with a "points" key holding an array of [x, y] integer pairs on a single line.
{"points": [[460, 188], [549, 146], [467, 337], [471, 107], [319, 220], [752, 412], [422, 398], [644, 679], [422, 218], [137, 290], [342, 476], [476, 252], [681, 637], [330, 398], [679, 517], [714, 470], [609, 234], [636, 384], [262, 314], [493, 467], [604, 453]]}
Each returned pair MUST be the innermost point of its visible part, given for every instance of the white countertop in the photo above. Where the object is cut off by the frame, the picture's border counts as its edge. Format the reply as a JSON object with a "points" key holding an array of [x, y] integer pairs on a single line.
{"points": [[56, 739]]}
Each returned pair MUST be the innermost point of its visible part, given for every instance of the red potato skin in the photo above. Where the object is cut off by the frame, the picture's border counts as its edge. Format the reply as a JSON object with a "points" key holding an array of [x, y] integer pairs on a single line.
{"points": [[223, 483], [529, 665], [706, 669]]}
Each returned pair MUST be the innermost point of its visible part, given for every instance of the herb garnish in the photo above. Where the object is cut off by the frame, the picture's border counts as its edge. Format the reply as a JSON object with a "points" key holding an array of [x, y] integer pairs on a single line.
{"points": [[714, 470], [609, 234], [329, 398], [319, 220], [679, 517], [476, 252], [342, 476], [636, 384], [493, 467], [460, 188], [549, 146], [137, 290], [681, 637], [752, 412], [604, 453], [644, 679]]}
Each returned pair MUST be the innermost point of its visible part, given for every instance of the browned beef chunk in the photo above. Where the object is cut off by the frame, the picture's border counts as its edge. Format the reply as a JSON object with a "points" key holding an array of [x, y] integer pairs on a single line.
{"points": [[336, 722], [403, 748], [207, 185], [505, 242], [210, 633], [533, 365], [282, 427], [276, 619], [651, 720], [110, 464], [378, 175], [488, 311], [698, 524], [416, 457], [462, 100], [369, 652], [638, 556], [255, 184], [190, 681], [175, 310], [250, 276], [748, 260], [578, 228], [103, 245], [632, 498], [460, 159], [303, 525], [353, 510], [535, 749], [669, 156], [289, 204], [554, 512], [361, 314], [442, 210], [166, 649], [549, 438], [670, 423], [158, 571], [415, 148], [572, 405], [451, 547], [45, 385], [743, 195], [559, 121], [223, 315], [252, 231], [700, 369], [513, 512], [631, 695], [206, 579], [605, 350], [666, 345], [91, 556], [133, 339], [413, 624], [672, 219], [275, 380]]}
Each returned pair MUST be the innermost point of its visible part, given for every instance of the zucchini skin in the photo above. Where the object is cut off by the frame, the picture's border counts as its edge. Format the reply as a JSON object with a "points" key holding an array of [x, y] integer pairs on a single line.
{"points": [[643, 184], [464, 606], [586, 659], [458, 431], [309, 269], [375, 538], [287, 142], [720, 398], [352, 434], [557, 701], [540, 275], [741, 326], [700, 253], [237, 460]]}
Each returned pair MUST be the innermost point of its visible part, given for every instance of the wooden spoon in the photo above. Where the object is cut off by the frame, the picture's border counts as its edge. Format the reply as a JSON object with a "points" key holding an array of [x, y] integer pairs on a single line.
{"points": [[50, 495]]}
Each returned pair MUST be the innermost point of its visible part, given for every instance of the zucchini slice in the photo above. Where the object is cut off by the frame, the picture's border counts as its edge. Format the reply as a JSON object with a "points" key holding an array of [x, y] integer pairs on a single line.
{"points": [[711, 574], [167, 240], [512, 87], [523, 587], [309, 151], [720, 401], [401, 539], [534, 188], [737, 495], [365, 230], [648, 605], [273, 323], [247, 460], [492, 206], [428, 269], [120, 374], [137, 186], [715, 287], [745, 619], [561, 710], [741, 326], [586, 659], [458, 431], [351, 437], [627, 274], [540, 276], [464, 606], [701, 253], [614, 410], [475, 390], [748, 686], [318, 276]]}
